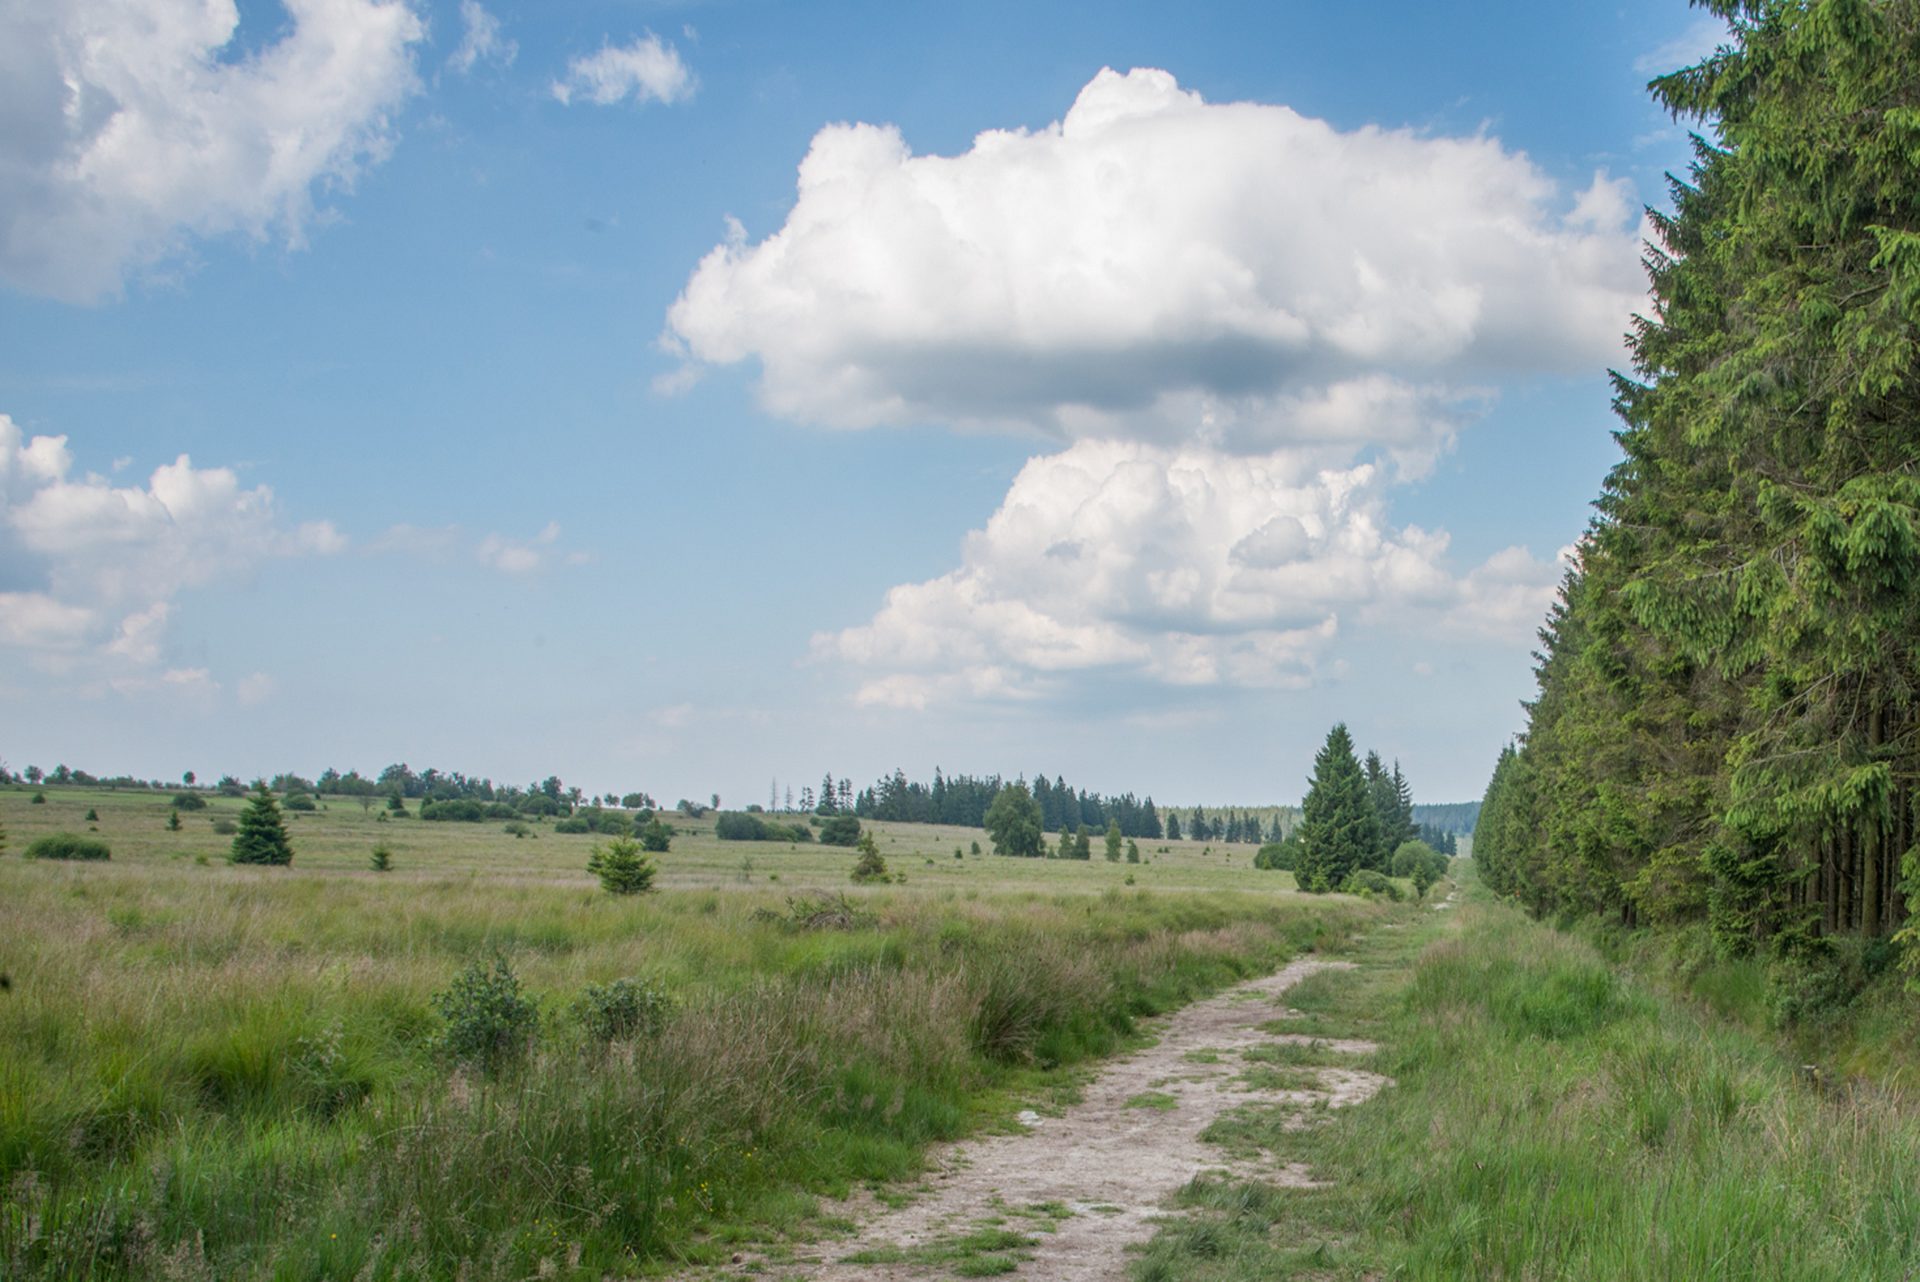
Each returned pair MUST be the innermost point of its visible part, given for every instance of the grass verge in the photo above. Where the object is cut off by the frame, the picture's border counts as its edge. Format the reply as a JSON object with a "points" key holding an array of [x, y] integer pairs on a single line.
{"points": [[1552, 1121]]}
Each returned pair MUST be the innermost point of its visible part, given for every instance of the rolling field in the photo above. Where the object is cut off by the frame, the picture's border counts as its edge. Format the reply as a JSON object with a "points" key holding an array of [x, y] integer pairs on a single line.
{"points": [[210, 1070]]}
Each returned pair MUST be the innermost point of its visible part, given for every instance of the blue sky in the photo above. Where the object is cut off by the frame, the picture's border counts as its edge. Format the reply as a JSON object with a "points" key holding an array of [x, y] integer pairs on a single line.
{"points": [[540, 418]]}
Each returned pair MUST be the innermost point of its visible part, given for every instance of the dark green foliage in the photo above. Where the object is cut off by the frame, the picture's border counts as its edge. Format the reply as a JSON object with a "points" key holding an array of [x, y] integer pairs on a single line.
{"points": [[1369, 881], [39, 798], [262, 838], [621, 866], [381, 860], [173, 820], [622, 1010], [490, 1022], [66, 845], [225, 827], [299, 801], [1728, 724], [93, 817], [1339, 830], [734, 826], [870, 866], [1113, 841], [839, 830], [189, 801], [1013, 821], [1280, 856], [656, 836]]}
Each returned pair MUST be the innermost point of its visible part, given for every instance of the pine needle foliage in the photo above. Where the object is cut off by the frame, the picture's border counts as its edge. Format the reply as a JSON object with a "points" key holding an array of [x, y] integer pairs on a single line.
{"points": [[262, 838]]}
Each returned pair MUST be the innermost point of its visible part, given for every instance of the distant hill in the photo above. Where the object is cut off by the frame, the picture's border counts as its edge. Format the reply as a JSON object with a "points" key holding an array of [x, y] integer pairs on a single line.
{"points": [[1456, 816]]}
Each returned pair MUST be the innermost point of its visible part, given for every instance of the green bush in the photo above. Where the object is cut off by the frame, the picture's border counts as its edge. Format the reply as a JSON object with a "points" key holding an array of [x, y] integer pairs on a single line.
{"points": [[225, 827], [572, 827], [870, 866], [381, 859], [1276, 855], [299, 801], [734, 826], [1366, 881], [623, 1009], [621, 867], [490, 1022], [67, 845], [656, 836], [189, 801], [840, 830], [454, 810]]}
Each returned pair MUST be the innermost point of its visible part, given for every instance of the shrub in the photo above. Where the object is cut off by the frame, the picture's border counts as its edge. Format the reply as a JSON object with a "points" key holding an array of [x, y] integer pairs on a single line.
{"points": [[225, 826], [381, 859], [623, 1009], [67, 845], [1367, 881], [39, 798], [173, 821], [93, 816], [189, 801], [572, 827], [490, 1021], [656, 836], [840, 830], [870, 866], [299, 801], [517, 830], [453, 810], [262, 836], [622, 869], [751, 827]]}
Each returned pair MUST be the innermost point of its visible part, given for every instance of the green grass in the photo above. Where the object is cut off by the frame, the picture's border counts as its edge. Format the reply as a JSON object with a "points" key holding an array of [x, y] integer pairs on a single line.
{"points": [[232, 1070], [1553, 1120]]}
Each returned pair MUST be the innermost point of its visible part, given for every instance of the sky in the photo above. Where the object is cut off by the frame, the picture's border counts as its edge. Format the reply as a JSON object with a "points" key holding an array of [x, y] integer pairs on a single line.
{"points": [[704, 397]]}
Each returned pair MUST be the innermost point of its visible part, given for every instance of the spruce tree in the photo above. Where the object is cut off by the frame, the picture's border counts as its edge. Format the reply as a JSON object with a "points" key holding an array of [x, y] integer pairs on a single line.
{"points": [[1339, 828], [262, 838]]}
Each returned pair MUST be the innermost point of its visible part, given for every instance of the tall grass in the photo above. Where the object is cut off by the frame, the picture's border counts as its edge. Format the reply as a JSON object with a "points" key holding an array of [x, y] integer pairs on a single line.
{"points": [[1553, 1121], [233, 1072]]}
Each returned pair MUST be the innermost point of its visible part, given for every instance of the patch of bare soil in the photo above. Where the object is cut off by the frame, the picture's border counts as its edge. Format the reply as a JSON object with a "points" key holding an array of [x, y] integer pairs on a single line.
{"points": [[1098, 1176]]}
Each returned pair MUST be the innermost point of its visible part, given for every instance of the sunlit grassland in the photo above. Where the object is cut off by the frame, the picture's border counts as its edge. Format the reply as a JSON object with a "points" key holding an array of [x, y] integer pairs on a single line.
{"points": [[232, 1070], [1553, 1119]]}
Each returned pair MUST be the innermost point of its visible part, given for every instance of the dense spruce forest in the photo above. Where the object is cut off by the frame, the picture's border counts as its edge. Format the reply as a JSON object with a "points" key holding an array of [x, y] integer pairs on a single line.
{"points": [[1727, 729]]}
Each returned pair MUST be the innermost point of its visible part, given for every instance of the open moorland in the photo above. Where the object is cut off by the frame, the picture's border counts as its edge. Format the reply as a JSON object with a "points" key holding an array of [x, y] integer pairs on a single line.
{"points": [[323, 1071]]}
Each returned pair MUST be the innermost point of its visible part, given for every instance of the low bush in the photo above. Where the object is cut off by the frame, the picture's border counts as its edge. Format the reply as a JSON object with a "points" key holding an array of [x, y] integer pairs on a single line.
{"points": [[734, 826], [623, 1009], [1366, 881], [299, 801], [840, 830], [490, 1022], [189, 801], [67, 845]]}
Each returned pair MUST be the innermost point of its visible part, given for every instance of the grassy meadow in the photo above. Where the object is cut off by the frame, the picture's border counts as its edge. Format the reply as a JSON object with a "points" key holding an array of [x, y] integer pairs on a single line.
{"points": [[1553, 1118], [216, 1071]]}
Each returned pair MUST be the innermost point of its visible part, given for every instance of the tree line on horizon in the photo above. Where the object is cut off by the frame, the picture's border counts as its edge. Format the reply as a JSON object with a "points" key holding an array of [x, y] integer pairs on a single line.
{"points": [[1727, 729]]}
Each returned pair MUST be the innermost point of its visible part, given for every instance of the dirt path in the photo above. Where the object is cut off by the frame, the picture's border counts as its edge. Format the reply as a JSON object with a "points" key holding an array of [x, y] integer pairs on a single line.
{"points": [[1080, 1188]]}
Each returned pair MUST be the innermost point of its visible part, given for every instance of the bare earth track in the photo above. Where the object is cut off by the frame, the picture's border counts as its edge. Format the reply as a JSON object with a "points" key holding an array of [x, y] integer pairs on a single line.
{"points": [[1098, 1177]]}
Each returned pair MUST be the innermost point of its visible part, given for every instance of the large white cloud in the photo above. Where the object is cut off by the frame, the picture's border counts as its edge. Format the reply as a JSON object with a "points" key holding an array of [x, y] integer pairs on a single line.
{"points": [[1181, 565], [1156, 266], [92, 569], [130, 127]]}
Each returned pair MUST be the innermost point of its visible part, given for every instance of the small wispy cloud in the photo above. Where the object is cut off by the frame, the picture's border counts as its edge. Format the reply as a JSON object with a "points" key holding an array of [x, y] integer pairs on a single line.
{"points": [[648, 69], [482, 41]]}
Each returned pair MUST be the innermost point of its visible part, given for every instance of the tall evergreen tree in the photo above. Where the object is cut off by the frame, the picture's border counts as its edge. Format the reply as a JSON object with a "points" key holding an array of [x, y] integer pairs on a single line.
{"points": [[262, 836], [1339, 828]]}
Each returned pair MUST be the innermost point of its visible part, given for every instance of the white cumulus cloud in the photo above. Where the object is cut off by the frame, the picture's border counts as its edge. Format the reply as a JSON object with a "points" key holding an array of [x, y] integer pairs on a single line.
{"points": [[646, 69], [90, 570], [1183, 566], [1157, 266], [129, 128]]}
